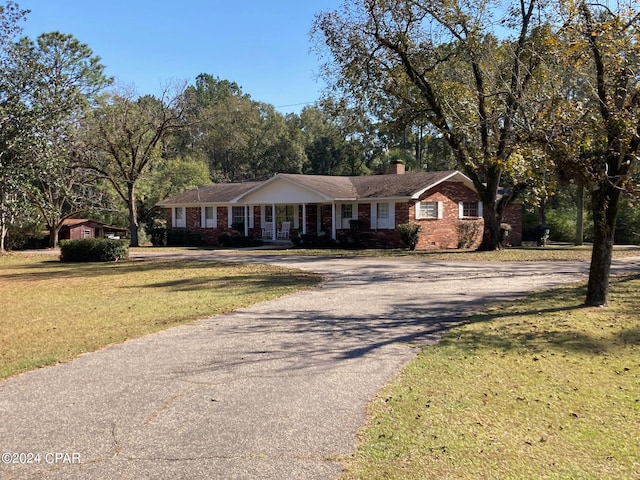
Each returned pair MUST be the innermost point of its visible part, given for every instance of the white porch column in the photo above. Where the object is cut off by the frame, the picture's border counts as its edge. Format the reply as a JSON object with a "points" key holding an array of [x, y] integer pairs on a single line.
{"points": [[304, 218], [333, 221], [246, 220], [273, 221]]}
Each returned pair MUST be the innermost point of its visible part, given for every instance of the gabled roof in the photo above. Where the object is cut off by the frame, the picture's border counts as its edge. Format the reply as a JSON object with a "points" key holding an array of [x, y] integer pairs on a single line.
{"points": [[408, 185], [213, 193], [326, 185], [403, 186], [69, 223], [72, 222]]}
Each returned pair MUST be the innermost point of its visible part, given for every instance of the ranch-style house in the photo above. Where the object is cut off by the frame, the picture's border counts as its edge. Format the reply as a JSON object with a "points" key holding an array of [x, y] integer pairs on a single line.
{"points": [[445, 205]]}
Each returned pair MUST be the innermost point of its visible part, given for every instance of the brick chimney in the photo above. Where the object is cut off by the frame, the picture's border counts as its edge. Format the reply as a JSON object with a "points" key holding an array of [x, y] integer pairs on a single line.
{"points": [[395, 168]]}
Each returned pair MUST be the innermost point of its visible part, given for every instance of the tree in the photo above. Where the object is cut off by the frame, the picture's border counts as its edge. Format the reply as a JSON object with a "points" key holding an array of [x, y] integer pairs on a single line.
{"points": [[168, 177], [241, 139], [12, 119], [440, 60], [122, 139], [603, 115], [54, 80]]}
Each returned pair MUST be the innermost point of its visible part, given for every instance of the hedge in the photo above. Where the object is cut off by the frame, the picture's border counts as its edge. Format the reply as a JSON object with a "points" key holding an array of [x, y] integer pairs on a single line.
{"points": [[93, 250]]}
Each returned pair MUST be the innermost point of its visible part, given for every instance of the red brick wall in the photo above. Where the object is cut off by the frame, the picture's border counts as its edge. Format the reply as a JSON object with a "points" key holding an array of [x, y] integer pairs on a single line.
{"points": [[513, 216], [443, 233], [210, 235]]}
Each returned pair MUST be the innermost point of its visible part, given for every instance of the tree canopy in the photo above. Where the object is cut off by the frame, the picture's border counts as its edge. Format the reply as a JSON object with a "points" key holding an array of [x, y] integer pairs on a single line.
{"points": [[440, 63]]}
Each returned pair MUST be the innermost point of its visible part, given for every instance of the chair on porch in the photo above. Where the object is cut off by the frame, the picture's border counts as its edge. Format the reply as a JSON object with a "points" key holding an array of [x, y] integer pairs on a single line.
{"points": [[283, 232], [267, 231]]}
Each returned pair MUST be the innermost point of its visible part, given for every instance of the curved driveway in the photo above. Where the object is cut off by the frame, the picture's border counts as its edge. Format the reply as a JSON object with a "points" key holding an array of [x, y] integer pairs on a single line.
{"points": [[277, 390]]}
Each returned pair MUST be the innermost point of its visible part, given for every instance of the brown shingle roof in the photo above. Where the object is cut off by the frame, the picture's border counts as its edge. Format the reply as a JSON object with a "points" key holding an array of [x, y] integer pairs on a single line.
{"points": [[214, 193], [406, 185], [334, 187], [370, 186]]}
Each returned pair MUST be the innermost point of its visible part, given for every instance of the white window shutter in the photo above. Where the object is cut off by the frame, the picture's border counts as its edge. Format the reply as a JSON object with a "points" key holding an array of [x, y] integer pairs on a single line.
{"points": [[374, 215], [203, 217], [480, 213], [440, 208], [392, 215], [251, 220], [229, 216], [460, 209], [417, 207]]}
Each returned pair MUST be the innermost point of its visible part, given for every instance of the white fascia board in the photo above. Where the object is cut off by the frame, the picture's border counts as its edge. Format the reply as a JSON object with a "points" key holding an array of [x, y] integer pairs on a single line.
{"points": [[383, 199]]}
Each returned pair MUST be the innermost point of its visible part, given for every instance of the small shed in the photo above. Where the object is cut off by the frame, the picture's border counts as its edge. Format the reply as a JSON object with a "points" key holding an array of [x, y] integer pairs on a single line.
{"points": [[77, 228]]}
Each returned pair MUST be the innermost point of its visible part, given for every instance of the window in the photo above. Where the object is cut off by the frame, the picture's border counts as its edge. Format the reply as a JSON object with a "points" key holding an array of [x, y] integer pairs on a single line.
{"points": [[179, 217], [268, 214], [429, 210], [346, 211], [86, 233], [383, 211], [237, 215], [210, 217], [383, 215], [469, 209], [284, 213]]}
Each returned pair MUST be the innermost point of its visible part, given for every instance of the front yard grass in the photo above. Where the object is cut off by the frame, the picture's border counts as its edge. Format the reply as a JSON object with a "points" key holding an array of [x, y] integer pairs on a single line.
{"points": [[542, 388], [52, 311]]}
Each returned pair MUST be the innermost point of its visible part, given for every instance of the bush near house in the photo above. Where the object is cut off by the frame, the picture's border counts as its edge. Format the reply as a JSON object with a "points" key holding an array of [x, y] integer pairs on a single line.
{"points": [[234, 239], [468, 231], [410, 234], [312, 240], [93, 250]]}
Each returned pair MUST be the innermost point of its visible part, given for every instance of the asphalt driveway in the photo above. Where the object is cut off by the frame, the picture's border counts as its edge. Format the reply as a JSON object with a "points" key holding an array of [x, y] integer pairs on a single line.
{"points": [[277, 390]]}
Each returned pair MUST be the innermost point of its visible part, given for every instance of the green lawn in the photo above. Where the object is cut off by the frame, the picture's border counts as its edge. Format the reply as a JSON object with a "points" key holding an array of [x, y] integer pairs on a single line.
{"points": [[542, 388], [536, 389], [53, 311]]}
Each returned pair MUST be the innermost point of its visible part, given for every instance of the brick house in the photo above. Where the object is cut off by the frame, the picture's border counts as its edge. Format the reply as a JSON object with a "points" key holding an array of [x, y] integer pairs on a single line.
{"points": [[445, 204]]}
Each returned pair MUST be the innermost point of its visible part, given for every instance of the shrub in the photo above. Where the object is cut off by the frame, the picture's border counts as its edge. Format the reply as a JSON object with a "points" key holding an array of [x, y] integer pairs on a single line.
{"points": [[158, 237], [93, 250], [468, 232], [311, 240], [234, 239], [225, 240], [410, 234], [177, 238]]}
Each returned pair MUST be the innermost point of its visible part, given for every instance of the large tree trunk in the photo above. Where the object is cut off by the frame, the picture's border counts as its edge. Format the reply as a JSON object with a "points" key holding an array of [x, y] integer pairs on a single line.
{"points": [[605, 209], [133, 216], [54, 233], [492, 219]]}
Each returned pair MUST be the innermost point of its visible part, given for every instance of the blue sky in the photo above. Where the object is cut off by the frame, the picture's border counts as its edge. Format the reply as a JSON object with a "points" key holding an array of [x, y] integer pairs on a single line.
{"points": [[262, 45]]}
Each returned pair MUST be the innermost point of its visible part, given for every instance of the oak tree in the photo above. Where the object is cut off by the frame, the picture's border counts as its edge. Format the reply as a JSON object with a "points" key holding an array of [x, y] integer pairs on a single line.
{"points": [[443, 61]]}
